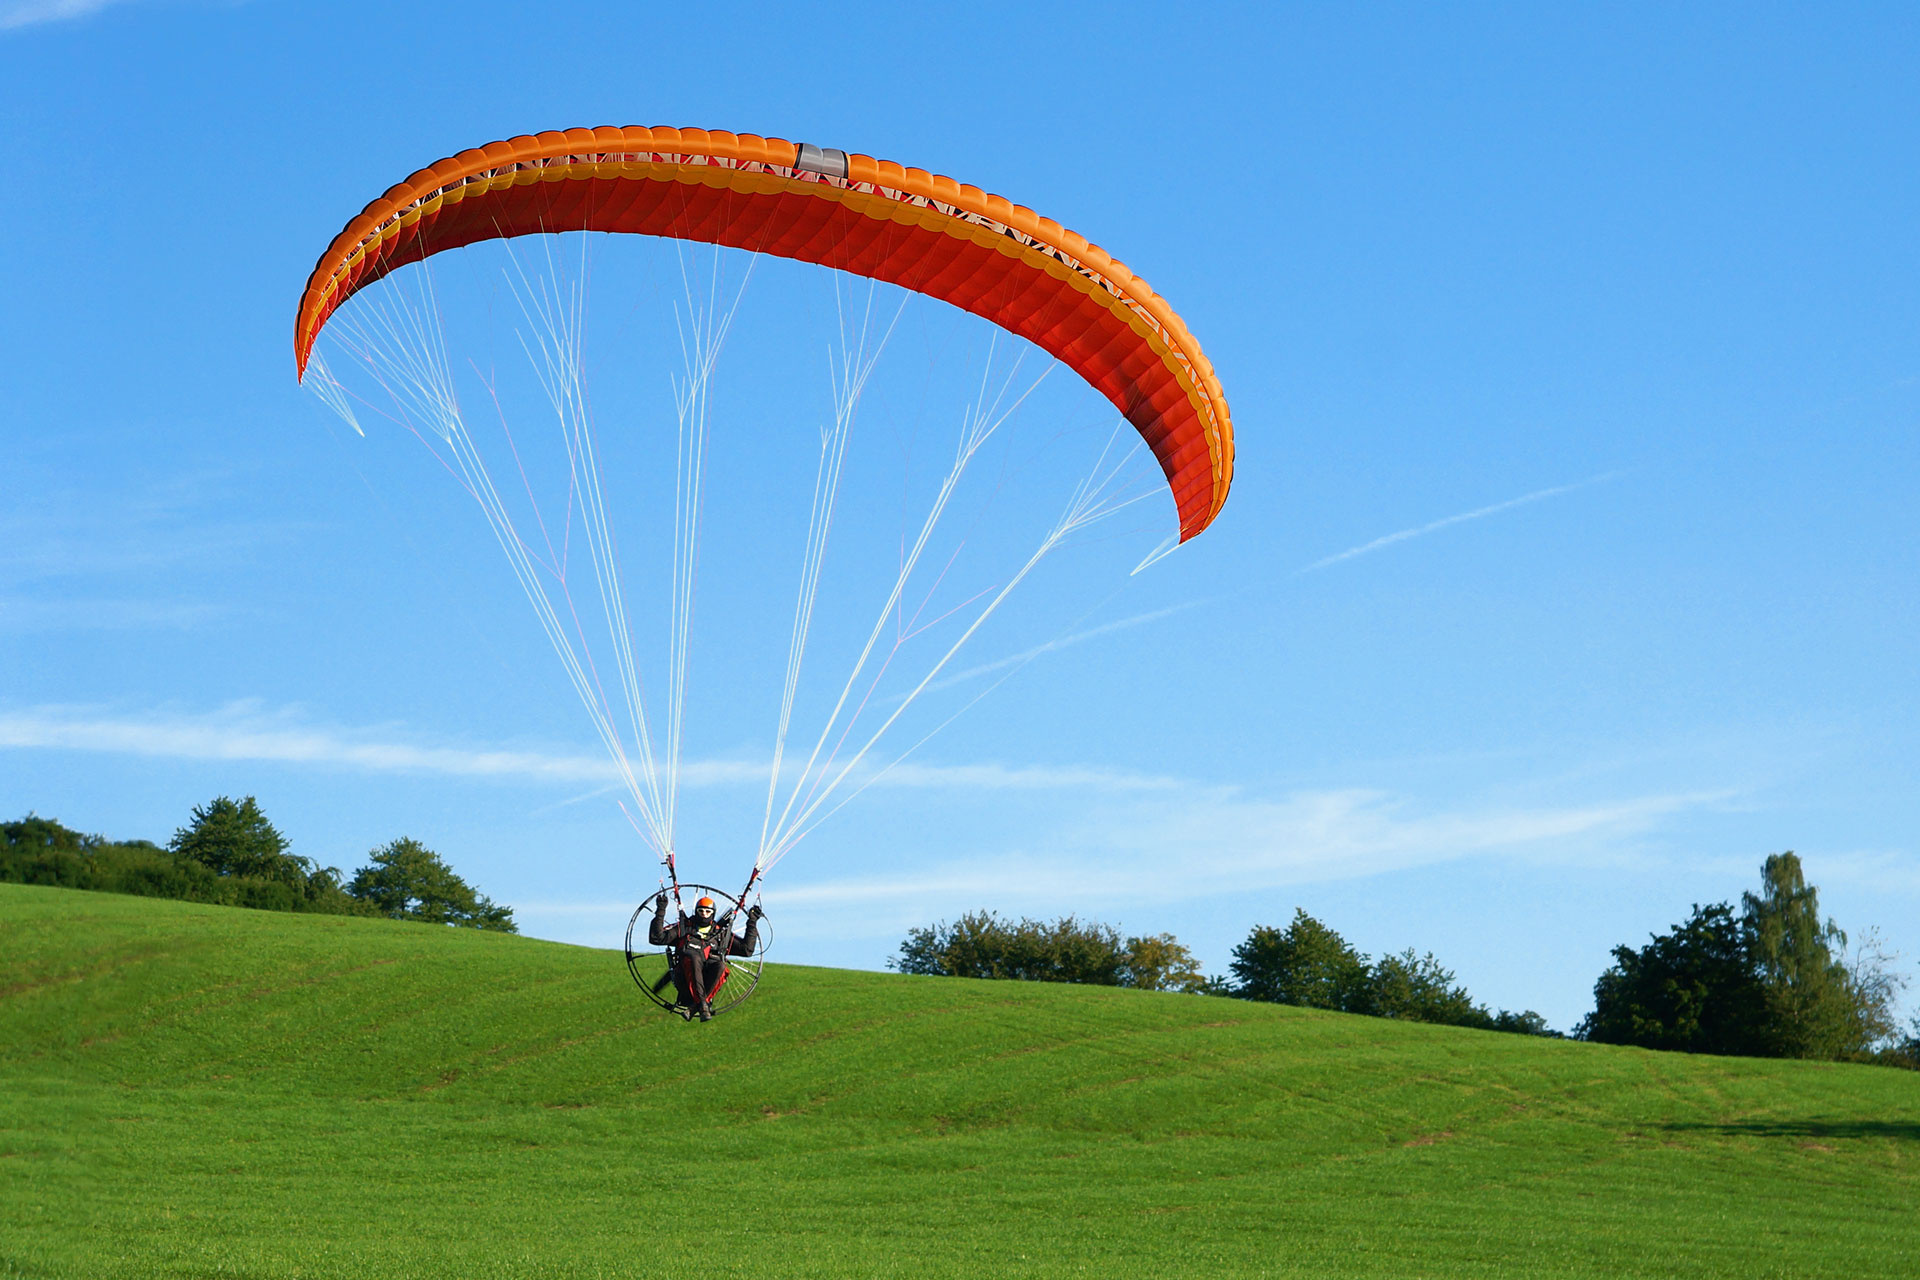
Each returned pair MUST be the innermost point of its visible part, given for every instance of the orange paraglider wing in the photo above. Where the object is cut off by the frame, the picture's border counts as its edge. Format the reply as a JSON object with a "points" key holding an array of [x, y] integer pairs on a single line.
{"points": [[873, 218]]}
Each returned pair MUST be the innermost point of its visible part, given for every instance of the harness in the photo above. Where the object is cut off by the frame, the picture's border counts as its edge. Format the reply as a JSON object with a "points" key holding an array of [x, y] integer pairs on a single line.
{"points": [[689, 943]]}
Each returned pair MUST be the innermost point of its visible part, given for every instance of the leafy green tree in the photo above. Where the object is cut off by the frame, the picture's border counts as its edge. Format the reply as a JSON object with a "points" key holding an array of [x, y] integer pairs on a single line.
{"points": [[1772, 980], [1815, 1006], [1420, 989], [963, 949], [1526, 1023], [34, 832], [408, 881], [982, 945], [1309, 964], [233, 838], [1305, 964], [1693, 989], [1161, 963]]}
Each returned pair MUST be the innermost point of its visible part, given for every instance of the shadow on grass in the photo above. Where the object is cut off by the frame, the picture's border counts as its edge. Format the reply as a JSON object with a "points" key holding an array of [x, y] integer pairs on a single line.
{"points": [[1900, 1130]]}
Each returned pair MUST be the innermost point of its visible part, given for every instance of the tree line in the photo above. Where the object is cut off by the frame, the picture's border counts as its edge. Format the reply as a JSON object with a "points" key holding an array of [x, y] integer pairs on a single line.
{"points": [[1771, 979], [1304, 964], [1309, 964], [229, 854]]}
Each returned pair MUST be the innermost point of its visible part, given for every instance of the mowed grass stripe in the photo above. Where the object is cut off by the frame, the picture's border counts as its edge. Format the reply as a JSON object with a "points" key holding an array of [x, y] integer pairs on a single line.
{"points": [[202, 1091]]}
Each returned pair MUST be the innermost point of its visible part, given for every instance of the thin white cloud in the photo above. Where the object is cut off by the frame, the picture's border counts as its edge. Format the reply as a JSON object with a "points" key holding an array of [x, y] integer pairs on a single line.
{"points": [[18, 614], [1202, 843], [1480, 513], [999, 777], [244, 732], [75, 560], [1150, 839], [1877, 871], [33, 13], [240, 733]]}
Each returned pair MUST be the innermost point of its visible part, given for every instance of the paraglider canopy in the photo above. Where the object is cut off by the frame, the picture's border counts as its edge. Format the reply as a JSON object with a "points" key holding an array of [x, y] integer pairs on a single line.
{"points": [[873, 218], [878, 228]]}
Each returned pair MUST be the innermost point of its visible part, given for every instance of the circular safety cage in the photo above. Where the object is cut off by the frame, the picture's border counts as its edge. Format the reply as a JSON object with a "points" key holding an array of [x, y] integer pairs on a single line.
{"points": [[665, 972]]}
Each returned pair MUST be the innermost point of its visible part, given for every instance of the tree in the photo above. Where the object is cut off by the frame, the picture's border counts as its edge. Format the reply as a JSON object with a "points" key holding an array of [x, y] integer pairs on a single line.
{"points": [[1526, 1023], [982, 945], [958, 950], [235, 839], [1815, 1007], [1693, 989], [1305, 964], [35, 833], [1420, 989], [1905, 1049], [1309, 964], [408, 881], [1771, 981], [1873, 990], [226, 856], [1161, 963]]}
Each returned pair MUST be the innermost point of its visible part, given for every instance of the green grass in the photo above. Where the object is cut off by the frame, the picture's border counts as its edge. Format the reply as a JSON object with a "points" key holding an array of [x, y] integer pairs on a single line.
{"points": [[206, 1091]]}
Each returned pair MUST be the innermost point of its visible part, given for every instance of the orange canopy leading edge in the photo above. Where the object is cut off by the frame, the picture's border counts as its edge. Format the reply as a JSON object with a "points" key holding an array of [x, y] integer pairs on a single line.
{"points": [[873, 218]]}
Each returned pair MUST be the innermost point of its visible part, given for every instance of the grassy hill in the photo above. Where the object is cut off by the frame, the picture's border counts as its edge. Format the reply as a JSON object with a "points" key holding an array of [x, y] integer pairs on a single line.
{"points": [[215, 1092]]}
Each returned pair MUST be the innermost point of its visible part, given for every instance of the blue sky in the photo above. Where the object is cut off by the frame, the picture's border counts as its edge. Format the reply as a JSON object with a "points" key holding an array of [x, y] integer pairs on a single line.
{"points": [[1574, 359]]}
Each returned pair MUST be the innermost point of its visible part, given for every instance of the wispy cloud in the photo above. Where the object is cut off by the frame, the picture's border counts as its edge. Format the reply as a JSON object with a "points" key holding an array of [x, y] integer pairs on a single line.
{"points": [[1000, 777], [131, 558], [1434, 526], [18, 614], [1149, 838], [1196, 842], [33, 13], [1877, 871], [1203, 842], [244, 731], [132, 542]]}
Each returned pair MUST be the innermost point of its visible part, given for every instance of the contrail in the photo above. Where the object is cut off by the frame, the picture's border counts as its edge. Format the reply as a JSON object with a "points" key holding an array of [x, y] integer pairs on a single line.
{"points": [[1064, 642], [1422, 530]]}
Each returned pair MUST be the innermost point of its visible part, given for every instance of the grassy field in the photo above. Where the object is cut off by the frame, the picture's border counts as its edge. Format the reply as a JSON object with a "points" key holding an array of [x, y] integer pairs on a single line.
{"points": [[215, 1092]]}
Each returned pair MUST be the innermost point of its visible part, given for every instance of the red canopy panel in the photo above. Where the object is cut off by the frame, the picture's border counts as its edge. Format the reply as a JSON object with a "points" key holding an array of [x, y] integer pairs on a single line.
{"points": [[851, 213]]}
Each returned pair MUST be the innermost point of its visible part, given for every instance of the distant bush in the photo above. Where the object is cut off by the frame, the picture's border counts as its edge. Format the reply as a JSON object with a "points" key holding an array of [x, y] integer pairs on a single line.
{"points": [[1309, 964], [1524, 1023], [982, 945], [1904, 1053]]}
